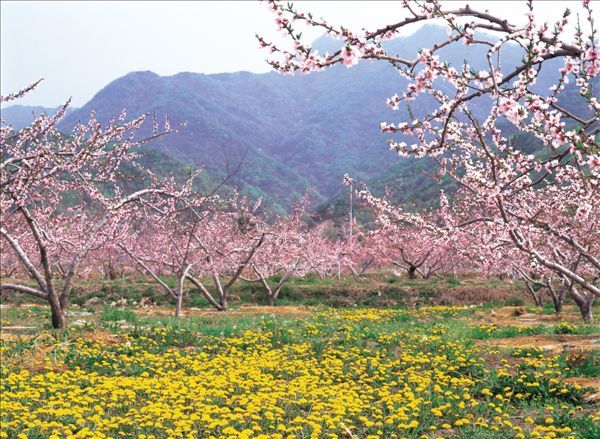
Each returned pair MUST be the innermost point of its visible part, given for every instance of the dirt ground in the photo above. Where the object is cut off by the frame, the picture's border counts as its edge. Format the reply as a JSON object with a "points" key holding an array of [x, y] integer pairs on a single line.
{"points": [[588, 383], [518, 316], [242, 310], [552, 343]]}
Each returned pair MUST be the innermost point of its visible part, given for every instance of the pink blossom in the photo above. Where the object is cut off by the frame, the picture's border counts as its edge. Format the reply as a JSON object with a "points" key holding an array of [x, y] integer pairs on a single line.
{"points": [[350, 55]]}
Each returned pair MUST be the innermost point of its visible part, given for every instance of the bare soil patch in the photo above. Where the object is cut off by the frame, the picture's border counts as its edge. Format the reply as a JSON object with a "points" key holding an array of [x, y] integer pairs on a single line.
{"points": [[514, 316], [273, 310], [243, 310], [592, 397], [104, 337], [552, 343], [7, 335], [18, 328]]}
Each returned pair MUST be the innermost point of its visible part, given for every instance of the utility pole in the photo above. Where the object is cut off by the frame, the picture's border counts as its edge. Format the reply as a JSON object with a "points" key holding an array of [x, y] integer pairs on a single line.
{"points": [[351, 190], [350, 182]]}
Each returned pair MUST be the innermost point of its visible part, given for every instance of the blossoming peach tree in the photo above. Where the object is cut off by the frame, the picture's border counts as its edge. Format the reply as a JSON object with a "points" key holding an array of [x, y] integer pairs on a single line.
{"points": [[545, 204], [292, 248], [192, 238], [60, 197]]}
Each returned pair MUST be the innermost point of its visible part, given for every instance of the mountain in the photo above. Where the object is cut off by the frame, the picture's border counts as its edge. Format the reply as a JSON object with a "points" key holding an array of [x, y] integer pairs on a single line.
{"points": [[298, 131], [293, 132], [19, 116]]}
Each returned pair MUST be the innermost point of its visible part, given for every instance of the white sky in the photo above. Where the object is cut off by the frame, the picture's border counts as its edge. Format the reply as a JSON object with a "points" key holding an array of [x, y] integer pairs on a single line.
{"points": [[79, 47]]}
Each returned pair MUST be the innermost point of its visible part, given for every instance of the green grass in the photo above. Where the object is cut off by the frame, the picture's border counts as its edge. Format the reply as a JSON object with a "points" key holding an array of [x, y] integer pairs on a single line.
{"points": [[118, 314]]}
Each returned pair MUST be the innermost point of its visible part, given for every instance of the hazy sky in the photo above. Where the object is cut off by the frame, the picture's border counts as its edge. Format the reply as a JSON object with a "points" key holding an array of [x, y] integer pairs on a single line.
{"points": [[79, 47]]}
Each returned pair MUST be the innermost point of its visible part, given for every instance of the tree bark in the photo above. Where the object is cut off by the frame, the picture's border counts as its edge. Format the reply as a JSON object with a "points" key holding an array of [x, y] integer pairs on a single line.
{"points": [[58, 315], [584, 301], [179, 294], [64, 301], [586, 312], [412, 272], [204, 292], [354, 273], [557, 304], [557, 297], [223, 303], [537, 296], [178, 304], [222, 292]]}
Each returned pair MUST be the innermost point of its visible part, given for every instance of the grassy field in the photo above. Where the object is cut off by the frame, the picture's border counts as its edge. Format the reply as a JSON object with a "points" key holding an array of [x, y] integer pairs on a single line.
{"points": [[300, 371]]}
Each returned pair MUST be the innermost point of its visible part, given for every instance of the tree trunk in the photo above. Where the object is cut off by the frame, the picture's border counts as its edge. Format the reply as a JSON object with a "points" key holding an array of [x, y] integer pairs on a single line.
{"points": [[412, 272], [205, 293], [557, 297], [365, 267], [531, 283], [557, 300], [178, 303], [584, 301], [58, 315], [223, 292], [273, 295], [64, 301], [112, 273], [586, 312], [223, 302], [354, 273], [179, 294]]}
